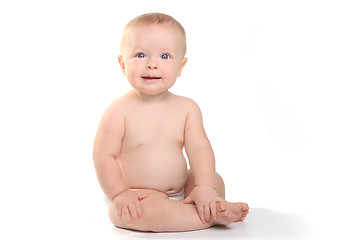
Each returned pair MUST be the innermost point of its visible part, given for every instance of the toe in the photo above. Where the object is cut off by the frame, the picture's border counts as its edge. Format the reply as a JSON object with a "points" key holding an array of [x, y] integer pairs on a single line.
{"points": [[244, 206]]}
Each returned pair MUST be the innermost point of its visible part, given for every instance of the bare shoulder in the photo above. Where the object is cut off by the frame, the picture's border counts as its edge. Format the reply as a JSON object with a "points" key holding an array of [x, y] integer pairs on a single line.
{"points": [[188, 103], [120, 105], [115, 113]]}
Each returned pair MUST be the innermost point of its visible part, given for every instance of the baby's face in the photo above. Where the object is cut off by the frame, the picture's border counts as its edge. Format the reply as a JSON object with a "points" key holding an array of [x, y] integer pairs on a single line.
{"points": [[153, 57]]}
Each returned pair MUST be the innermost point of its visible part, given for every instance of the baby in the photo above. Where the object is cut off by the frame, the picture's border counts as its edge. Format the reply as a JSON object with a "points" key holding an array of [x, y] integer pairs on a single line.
{"points": [[138, 149]]}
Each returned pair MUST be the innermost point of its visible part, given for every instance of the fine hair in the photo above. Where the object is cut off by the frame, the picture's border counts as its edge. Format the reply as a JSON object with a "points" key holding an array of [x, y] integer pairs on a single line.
{"points": [[152, 18]]}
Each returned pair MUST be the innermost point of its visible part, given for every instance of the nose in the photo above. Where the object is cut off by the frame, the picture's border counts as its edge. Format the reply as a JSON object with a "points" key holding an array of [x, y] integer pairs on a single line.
{"points": [[152, 65]]}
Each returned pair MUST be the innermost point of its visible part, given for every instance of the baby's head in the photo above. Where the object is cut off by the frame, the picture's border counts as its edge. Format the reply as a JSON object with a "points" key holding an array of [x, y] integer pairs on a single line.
{"points": [[149, 19], [153, 47]]}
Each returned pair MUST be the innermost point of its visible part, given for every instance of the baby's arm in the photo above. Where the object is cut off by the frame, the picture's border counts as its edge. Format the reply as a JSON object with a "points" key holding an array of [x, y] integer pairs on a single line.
{"points": [[198, 148], [106, 149], [202, 164]]}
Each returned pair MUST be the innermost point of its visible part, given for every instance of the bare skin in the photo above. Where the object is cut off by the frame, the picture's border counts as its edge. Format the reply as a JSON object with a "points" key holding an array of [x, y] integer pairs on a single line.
{"points": [[138, 149], [160, 214], [140, 159]]}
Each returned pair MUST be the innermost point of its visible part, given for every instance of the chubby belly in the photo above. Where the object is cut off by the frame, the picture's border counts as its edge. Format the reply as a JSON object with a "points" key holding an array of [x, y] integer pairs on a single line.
{"points": [[158, 168]]}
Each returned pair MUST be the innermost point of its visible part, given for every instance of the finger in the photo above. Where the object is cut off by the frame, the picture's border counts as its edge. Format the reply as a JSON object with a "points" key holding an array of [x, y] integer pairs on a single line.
{"points": [[126, 215], [142, 196], [133, 212], [187, 200], [200, 210], [221, 207], [213, 210], [221, 200], [119, 215], [207, 212], [138, 208]]}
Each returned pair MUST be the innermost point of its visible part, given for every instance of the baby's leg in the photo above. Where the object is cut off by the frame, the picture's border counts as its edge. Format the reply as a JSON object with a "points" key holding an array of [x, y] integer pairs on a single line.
{"points": [[160, 214], [234, 212], [190, 184]]}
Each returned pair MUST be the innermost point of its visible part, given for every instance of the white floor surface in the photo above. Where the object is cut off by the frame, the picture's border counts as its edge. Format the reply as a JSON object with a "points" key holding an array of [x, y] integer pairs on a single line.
{"points": [[261, 224]]}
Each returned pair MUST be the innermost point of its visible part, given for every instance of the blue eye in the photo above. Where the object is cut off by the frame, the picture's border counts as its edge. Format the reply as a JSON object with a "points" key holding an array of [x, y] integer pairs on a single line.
{"points": [[140, 55], [164, 56]]}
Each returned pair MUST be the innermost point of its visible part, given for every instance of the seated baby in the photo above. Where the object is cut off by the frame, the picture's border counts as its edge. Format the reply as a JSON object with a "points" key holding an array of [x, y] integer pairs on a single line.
{"points": [[138, 149]]}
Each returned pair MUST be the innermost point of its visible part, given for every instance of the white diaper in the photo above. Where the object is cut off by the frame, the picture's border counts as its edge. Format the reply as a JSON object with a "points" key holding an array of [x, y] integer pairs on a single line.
{"points": [[177, 196], [107, 201]]}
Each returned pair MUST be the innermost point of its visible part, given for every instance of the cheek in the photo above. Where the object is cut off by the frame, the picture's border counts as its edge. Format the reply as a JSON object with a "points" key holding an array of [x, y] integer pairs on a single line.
{"points": [[135, 63], [132, 68], [171, 69]]}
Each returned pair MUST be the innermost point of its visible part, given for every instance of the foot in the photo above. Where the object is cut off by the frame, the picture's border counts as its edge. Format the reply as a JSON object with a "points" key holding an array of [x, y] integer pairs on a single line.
{"points": [[225, 215], [240, 210], [232, 212]]}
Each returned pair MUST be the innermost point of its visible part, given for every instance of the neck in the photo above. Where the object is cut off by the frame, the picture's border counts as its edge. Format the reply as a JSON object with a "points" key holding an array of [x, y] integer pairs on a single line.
{"points": [[151, 98]]}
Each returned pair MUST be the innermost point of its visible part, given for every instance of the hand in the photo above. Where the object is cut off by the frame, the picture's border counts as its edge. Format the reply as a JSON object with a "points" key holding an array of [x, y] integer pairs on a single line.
{"points": [[205, 198], [127, 205]]}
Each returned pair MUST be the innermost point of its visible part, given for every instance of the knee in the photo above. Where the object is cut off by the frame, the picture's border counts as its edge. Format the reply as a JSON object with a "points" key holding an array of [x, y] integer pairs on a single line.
{"points": [[220, 186], [219, 179]]}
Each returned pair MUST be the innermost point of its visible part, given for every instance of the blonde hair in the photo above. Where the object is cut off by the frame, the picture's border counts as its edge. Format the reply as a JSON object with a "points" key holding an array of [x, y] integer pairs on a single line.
{"points": [[152, 18]]}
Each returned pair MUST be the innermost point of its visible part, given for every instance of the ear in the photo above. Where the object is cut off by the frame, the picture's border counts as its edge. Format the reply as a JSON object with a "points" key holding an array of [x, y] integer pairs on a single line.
{"points": [[182, 66], [122, 64]]}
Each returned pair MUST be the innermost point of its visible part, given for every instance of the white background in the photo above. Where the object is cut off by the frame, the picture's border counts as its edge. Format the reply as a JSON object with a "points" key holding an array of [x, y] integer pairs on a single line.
{"points": [[277, 82]]}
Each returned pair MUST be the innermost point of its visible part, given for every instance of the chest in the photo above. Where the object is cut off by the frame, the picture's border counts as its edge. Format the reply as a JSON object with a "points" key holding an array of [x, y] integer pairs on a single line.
{"points": [[155, 124]]}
